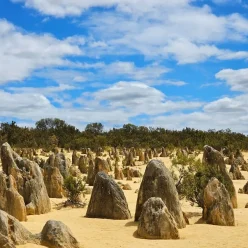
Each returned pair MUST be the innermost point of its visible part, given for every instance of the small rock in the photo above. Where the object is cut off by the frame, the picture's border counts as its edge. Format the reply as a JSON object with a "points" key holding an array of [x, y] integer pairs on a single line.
{"points": [[56, 234], [245, 188], [241, 191], [126, 187]]}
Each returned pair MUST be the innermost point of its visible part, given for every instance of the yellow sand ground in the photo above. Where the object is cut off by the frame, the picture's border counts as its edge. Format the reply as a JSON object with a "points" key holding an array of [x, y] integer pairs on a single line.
{"points": [[93, 233]]}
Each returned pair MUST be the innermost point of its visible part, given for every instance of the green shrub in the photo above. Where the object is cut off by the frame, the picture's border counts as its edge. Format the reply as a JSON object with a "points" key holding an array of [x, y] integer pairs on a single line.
{"points": [[74, 187], [194, 177]]}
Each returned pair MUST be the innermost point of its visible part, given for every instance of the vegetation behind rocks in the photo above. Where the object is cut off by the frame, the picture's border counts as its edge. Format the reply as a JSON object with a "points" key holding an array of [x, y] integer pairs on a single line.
{"points": [[49, 133], [193, 177]]}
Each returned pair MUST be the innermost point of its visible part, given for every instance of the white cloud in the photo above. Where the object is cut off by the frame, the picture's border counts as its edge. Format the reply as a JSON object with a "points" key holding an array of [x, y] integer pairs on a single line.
{"points": [[211, 84], [62, 76], [179, 120], [138, 98], [130, 71], [46, 91], [186, 52], [236, 79], [173, 82], [172, 28], [185, 33], [24, 102], [238, 23], [32, 107], [226, 112], [115, 104], [228, 105], [77, 72], [76, 7], [118, 103], [46, 19], [129, 93], [21, 53], [160, 30], [25, 54], [236, 121]]}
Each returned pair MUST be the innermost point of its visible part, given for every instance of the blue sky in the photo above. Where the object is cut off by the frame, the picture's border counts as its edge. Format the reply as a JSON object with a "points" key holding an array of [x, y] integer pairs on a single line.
{"points": [[172, 64]]}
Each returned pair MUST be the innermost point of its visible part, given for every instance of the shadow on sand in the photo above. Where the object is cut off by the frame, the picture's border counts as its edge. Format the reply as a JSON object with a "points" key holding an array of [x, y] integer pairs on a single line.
{"points": [[193, 214], [131, 223], [135, 235], [200, 221]]}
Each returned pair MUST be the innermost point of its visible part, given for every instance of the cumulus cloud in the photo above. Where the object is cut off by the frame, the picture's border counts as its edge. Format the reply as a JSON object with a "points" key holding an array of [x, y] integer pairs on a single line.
{"points": [[46, 91], [24, 102], [174, 29], [24, 54], [115, 104], [228, 105], [226, 112], [76, 7], [130, 71], [159, 30], [183, 32], [34, 106], [129, 93], [236, 79], [173, 82], [21, 53], [62, 76], [86, 74], [138, 98], [178, 121]]}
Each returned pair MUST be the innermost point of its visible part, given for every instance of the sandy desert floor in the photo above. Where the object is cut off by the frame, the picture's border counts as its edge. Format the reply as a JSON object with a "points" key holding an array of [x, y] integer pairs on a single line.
{"points": [[104, 233]]}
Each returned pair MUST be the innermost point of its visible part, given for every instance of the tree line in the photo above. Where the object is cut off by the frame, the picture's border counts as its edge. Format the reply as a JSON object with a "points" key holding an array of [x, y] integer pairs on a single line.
{"points": [[49, 133]]}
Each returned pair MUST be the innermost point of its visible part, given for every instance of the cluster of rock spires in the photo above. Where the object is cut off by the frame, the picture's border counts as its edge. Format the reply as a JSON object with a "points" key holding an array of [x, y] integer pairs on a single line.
{"points": [[55, 170], [22, 190], [89, 165], [237, 160], [54, 234], [25, 189], [108, 201], [158, 209]]}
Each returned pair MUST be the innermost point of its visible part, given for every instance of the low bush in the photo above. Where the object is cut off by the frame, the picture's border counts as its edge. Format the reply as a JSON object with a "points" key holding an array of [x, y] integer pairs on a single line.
{"points": [[74, 187]]}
